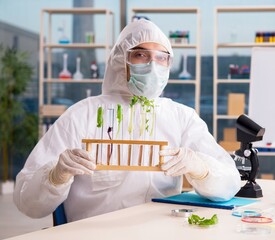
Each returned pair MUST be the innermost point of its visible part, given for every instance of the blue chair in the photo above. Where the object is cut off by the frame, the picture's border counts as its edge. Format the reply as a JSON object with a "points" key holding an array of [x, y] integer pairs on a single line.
{"points": [[59, 215]]}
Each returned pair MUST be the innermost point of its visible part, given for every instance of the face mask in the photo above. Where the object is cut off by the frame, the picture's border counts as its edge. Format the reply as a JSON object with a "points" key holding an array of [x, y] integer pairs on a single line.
{"points": [[148, 80]]}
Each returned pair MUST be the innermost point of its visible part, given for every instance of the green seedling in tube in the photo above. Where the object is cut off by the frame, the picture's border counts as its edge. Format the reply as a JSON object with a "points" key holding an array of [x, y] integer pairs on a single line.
{"points": [[153, 122], [143, 122], [147, 107], [99, 117], [119, 116], [134, 100]]}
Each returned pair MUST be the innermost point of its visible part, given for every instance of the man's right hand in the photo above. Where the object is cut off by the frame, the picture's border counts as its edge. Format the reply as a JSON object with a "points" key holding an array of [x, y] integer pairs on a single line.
{"points": [[72, 162]]}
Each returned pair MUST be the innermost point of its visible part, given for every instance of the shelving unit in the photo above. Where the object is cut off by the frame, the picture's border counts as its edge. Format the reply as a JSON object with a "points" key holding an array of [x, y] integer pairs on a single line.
{"points": [[46, 109], [219, 45], [197, 81]]}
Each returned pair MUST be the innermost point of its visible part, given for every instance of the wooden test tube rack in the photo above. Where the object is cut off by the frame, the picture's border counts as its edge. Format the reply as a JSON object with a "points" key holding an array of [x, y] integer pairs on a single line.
{"points": [[94, 144]]}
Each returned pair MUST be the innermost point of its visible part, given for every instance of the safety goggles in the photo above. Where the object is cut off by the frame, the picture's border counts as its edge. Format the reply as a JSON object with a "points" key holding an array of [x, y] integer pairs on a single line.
{"points": [[144, 56]]}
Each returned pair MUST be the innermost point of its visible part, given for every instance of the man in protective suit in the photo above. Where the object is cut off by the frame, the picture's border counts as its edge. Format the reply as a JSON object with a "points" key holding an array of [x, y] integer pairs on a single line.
{"points": [[58, 169]]}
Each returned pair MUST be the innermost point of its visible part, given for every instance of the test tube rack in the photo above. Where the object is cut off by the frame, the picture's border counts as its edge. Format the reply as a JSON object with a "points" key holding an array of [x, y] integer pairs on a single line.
{"points": [[95, 144]]}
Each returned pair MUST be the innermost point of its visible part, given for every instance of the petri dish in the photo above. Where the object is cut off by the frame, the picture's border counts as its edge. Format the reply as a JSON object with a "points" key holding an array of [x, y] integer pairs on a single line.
{"points": [[182, 212], [246, 212], [253, 229], [255, 219]]}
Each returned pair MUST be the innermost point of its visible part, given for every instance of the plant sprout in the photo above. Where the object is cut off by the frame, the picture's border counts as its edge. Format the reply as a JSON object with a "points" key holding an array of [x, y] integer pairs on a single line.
{"points": [[201, 221], [119, 116], [99, 117], [147, 107]]}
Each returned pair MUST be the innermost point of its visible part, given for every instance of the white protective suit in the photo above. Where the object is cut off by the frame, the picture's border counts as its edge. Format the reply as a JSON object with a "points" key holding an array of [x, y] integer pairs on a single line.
{"points": [[106, 191]]}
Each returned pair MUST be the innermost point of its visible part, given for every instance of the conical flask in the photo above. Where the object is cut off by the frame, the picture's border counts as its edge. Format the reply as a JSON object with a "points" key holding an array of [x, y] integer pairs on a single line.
{"points": [[65, 74], [184, 74]]}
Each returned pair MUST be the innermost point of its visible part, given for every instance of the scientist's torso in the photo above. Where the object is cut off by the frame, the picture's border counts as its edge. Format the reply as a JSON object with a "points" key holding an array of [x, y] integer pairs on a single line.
{"points": [[106, 191]]}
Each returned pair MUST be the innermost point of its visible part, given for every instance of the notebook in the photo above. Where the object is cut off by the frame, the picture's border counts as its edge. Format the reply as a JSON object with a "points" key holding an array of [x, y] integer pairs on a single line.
{"points": [[194, 199]]}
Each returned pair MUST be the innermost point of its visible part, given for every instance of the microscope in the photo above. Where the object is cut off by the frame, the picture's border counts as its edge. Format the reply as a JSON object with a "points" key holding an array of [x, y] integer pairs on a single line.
{"points": [[247, 132]]}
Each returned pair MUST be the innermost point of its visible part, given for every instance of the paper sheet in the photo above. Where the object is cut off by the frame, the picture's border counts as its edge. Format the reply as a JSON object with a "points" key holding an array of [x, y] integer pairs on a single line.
{"points": [[194, 199]]}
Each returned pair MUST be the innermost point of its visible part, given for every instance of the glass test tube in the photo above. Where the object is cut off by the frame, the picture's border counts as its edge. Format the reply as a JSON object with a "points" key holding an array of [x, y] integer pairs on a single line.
{"points": [[110, 131], [118, 129], [99, 133]]}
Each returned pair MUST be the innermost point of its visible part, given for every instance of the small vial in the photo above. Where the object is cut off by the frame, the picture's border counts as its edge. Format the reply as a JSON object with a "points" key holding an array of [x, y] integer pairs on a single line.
{"points": [[78, 75], [63, 38], [257, 38], [88, 92], [94, 70]]}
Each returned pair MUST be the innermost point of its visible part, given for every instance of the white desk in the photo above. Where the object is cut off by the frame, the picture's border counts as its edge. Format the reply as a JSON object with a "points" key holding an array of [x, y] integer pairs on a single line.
{"points": [[154, 221]]}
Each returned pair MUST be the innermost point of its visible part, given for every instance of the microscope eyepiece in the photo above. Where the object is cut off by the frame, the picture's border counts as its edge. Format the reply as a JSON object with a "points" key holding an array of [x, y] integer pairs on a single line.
{"points": [[248, 130]]}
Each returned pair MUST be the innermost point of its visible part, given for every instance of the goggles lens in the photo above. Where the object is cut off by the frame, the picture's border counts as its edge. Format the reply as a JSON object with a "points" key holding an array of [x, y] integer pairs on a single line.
{"points": [[141, 56]]}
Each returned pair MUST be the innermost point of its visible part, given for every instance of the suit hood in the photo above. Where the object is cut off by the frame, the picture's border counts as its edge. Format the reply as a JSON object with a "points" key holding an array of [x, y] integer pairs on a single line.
{"points": [[134, 34]]}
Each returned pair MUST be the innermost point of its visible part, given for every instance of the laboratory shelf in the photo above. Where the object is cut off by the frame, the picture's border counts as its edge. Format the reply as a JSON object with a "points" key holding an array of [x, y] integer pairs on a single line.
{"points": [[182, 81], [165, 10], [186, 45], [266, 153], [232, 81], [64, 81], [75, 45], [78, 11], [235, 9], [47, 44], [227, 116], [271, 154], [231, 12], [245, 45]]}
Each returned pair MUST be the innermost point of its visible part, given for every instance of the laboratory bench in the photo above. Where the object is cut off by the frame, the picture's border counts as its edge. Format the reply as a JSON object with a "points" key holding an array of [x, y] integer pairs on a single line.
{"points": [[154, 220]]}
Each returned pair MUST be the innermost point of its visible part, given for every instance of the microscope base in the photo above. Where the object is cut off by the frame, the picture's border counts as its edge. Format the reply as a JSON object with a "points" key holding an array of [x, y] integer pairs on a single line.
{"points": [[250, 190]]}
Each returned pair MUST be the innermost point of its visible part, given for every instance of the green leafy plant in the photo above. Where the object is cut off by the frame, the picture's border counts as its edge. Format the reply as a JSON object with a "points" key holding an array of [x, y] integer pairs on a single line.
{"points": [[119, 116], [18, 128], [99, 117], [147, 106], [201, 221]]}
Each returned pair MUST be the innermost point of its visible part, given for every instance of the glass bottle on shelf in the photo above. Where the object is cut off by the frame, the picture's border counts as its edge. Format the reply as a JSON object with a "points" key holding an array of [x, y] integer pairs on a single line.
{"points": [[78, 75], [65, 74], [88, 93], [184, 74], [63, 38]]}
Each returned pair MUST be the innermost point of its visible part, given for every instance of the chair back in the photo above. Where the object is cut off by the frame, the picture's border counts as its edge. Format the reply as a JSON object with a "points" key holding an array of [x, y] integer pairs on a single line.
{"points": [[59, 215]]}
